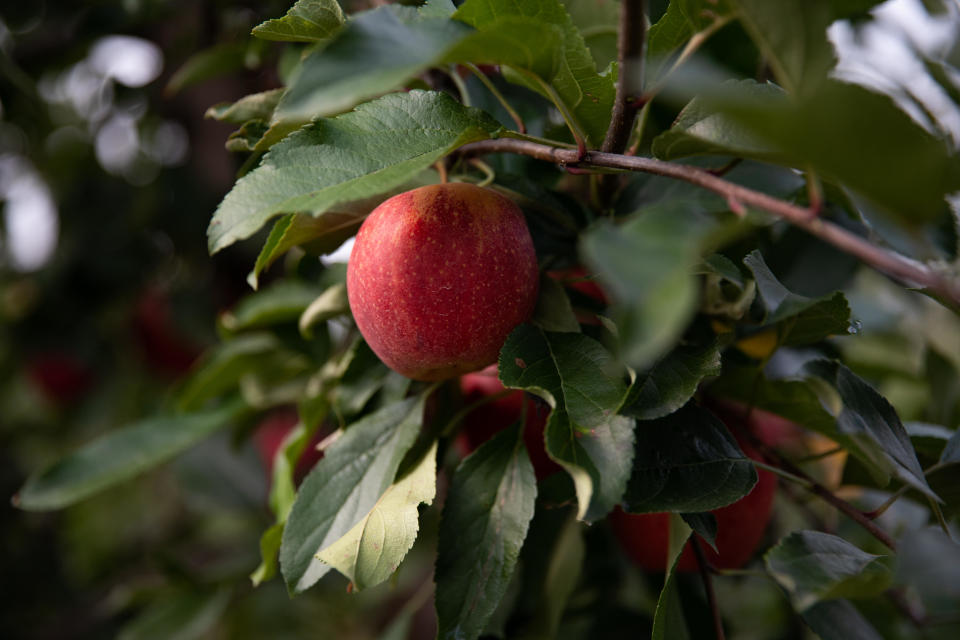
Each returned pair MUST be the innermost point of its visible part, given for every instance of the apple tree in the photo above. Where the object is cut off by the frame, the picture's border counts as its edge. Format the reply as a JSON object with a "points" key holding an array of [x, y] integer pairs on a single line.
{"points": [[742, 374]]}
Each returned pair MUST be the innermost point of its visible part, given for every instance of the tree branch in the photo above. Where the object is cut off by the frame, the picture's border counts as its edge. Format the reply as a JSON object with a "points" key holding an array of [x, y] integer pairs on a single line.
{"points": [[629, 87], [908, 271], [704, 568]]}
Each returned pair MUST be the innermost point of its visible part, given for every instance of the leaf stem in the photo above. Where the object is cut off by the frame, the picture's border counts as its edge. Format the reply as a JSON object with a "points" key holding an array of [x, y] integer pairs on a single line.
{"points": [[492, 88], [803, 482], [461, 86], [704, 567], [568, 117], [908, 271]]}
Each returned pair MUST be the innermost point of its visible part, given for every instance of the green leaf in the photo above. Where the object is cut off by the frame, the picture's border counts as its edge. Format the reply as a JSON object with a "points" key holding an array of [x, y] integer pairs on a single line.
{"points": [[269, 547], [647, 265], [380, 50], [687, 462], [553, 311], [372, 550], [669, 621], [120, 455], [282, 302], [329, 304], [798, 401], [792, 35], [701, 129], [357, 468], [839, 620], [221, 367], [306, 21], [586, 93], [585, 386], [681, 20], [218, 60], [363, 375], [704, 524], [257, 106], [485, 520], [862, 141], [872, 422], [813, 566], [360, 154], [247, 137], [598, 23], [799, 320], [672, 381], [185, 615]]}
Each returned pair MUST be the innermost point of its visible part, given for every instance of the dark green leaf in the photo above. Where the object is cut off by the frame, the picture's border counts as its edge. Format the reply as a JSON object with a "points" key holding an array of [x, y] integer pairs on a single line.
{"points": [[951, 452], [222, 367], [792, 35], [360, 154], [184, 615], [485, 520], [839, 620], [219, 60], [872, 422], [672, 381], [553, 312], [379, 50], [687, 462], [586, 93], [306, 21], [669, 621], [363, 375], [330, 304], [597, 23], [585, 387], [344, 486], [647, 265], [702, 129], [246, 138], [281, 302], [120, 455], [799, 320], [703, 524], [813, 566], [862, 140]]}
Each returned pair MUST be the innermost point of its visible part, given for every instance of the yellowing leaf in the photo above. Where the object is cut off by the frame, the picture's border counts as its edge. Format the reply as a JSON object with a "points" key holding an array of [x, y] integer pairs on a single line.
{"points": [[372, 550]]}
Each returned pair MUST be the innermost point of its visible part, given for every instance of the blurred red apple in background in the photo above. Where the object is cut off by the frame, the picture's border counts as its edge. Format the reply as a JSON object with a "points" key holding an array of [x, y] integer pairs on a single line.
{"points": [[59, 376], [488, 419], [439, 276], [269, 435], [740, 527], [164, 346]]}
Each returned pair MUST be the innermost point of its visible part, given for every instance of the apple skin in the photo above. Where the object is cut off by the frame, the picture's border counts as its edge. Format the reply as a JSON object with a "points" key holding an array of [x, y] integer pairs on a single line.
{"points": [[579, 279], [740, 527], [486, 420], [439, 276]]}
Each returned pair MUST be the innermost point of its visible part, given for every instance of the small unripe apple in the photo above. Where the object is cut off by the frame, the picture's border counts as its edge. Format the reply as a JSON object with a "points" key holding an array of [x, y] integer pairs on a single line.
{"points": [[439, 276], [488, 419], [740, 527]]}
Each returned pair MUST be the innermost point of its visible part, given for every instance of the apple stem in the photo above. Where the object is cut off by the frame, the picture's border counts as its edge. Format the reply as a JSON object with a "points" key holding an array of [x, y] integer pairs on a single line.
{"points": [[908, 271], [441, 166], [488, 172], [704, 567]]}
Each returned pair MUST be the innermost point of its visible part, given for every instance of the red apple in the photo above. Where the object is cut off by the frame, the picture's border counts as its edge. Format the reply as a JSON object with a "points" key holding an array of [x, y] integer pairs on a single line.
{"points": [[59, 376], [490, 418], [740, 527], [439, 276], [164, 347]]}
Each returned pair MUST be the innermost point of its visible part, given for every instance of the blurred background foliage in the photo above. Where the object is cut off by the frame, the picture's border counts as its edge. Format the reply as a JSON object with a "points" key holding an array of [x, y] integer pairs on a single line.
{"points": [[109, 174]]}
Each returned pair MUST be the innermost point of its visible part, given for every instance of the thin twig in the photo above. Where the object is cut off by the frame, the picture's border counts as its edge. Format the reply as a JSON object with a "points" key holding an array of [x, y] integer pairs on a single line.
{"points": [[909, 271], [630, 38], [704, 567]]}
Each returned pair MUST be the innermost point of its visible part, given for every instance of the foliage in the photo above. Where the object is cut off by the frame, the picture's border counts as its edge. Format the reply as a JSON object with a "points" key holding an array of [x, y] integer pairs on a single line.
{"points": [[716, 295]]}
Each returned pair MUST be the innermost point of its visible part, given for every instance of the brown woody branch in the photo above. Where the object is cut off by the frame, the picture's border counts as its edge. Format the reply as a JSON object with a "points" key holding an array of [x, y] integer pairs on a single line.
{"points": [[629, 87], [908, 271]]}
